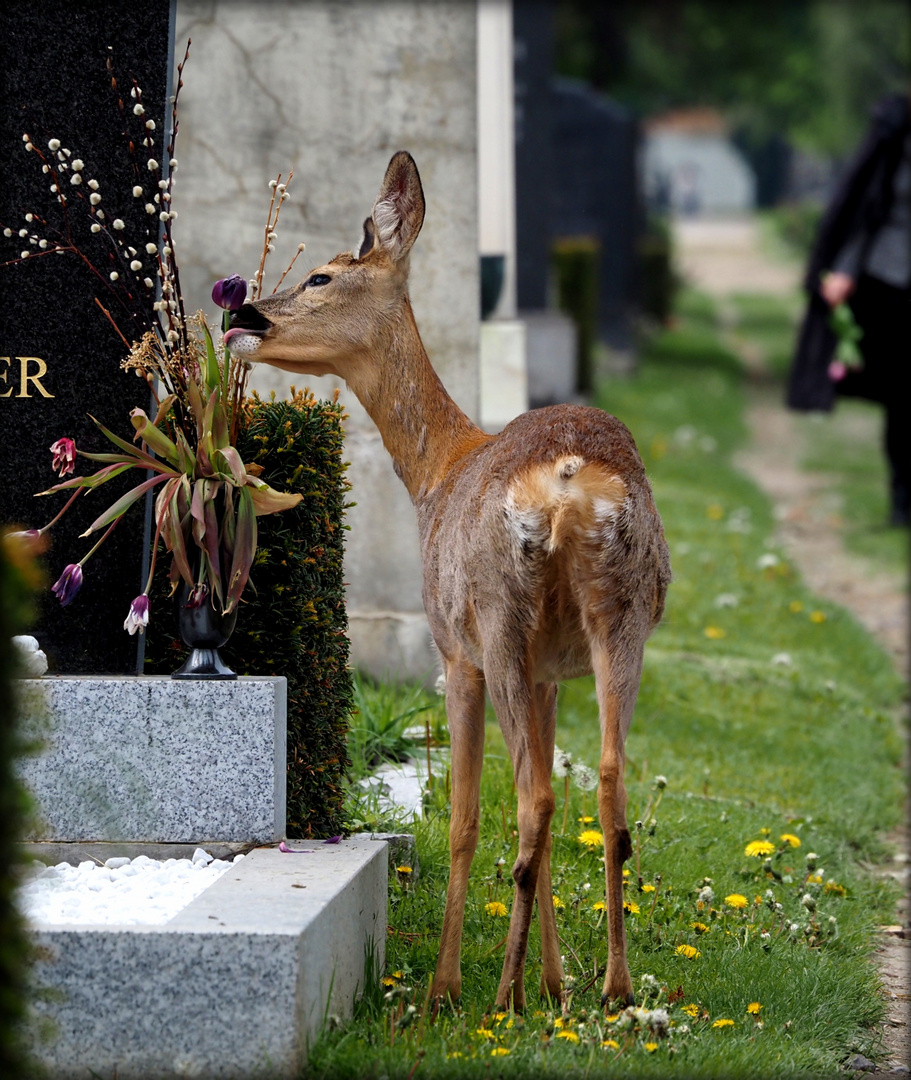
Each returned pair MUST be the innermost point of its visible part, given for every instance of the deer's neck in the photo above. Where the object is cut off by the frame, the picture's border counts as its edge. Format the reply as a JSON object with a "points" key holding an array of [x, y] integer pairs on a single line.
{"points": [[423, 429]]}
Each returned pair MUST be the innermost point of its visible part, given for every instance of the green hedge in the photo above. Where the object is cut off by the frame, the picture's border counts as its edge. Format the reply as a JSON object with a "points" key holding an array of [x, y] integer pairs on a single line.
{"points": [[575, 264], [18, 580], [292, 619]]}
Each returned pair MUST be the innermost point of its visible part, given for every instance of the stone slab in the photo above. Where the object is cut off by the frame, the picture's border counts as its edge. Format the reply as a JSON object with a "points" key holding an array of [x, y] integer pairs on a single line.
{"points": [[156, 760], [238, 984]]}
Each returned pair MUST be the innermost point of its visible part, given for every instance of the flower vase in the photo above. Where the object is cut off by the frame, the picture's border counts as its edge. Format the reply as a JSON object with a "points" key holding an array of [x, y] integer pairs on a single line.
{"points": [[204, 629]]}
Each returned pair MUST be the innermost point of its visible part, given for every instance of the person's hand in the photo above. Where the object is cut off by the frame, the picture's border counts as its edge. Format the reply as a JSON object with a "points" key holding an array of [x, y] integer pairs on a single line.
{"points": [[836, 287]]}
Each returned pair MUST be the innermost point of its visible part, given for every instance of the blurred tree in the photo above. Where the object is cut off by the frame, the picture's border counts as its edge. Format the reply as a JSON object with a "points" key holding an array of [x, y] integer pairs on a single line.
{"points": [[805, 70]]}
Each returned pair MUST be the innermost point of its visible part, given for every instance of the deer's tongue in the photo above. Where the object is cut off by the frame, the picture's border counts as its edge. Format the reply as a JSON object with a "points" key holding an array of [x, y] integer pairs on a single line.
{"points": [[241, 341]]}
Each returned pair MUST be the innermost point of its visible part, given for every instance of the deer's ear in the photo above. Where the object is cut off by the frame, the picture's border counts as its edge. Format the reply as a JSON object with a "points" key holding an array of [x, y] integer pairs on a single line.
{"points": [[398, 212], [368, 240]]}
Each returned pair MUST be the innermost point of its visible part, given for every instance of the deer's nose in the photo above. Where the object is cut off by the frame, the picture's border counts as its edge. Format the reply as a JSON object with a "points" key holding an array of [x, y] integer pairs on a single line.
{"points": [[249, 318]]}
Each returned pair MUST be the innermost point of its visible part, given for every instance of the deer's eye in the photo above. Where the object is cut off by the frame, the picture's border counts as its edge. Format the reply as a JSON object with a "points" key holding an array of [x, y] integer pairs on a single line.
{"points": [[319, 279]]}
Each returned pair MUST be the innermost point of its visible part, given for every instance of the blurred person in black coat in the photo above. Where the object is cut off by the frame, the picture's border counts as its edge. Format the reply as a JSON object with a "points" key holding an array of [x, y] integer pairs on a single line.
{"points": [[862, 257]]}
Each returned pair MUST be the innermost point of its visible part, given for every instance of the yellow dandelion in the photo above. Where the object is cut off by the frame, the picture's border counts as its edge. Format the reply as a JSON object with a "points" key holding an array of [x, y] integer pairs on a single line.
{"points": [[389, 980], [691, 1010], [651, 1047], [714, 633], [631, 907], [735, 900], [598, 905], [722, 1023], [587, 820], [714, 512], [485, 1033], [404, 870], [648, 888], [795, 606], [758, 848], [817, 616], [754, 1008], [559, 1023], [591, 838], [558, 903], [612, 1018], [765, 832], [499, 1051], [790, 838], [496, 908], [570, 1036], [699, 927], [834, 887], [611, 1044], [688, 951], [626, 871]]}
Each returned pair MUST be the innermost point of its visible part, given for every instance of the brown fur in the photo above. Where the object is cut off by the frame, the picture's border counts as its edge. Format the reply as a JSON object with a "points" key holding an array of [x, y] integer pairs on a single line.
{"points": [[543, 558]]}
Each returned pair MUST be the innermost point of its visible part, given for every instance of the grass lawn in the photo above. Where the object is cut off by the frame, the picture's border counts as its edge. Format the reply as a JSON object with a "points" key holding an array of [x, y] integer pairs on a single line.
{"points": [[763, 770]]}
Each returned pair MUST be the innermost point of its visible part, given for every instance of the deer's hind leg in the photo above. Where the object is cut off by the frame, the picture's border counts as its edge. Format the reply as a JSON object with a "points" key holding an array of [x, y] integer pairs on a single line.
{"points": [[514, 695], [551, 964], [465, 713], [617, 671]]}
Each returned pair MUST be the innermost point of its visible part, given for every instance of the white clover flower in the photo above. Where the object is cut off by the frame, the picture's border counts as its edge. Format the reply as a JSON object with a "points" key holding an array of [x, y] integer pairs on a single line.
{"points": [[94, 198], [151, 164], [75, 179], [118, 224], [54, 144]]}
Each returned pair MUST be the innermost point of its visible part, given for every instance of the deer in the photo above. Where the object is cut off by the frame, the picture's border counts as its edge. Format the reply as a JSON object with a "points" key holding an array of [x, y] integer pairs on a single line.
{"points": [[543, 558]]}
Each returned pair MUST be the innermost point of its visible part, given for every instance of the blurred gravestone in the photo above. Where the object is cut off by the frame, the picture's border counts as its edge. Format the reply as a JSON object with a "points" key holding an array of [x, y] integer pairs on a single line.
{"points": [[595, 151], [60, 357]]}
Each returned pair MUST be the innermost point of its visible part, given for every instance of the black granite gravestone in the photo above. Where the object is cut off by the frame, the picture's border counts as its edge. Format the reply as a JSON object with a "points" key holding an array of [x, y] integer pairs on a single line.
{"points": [[595, 144], [60, 357]]}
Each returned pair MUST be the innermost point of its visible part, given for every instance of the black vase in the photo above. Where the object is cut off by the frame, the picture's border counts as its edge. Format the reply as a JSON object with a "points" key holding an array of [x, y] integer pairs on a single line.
{"points": [[204, 629]]}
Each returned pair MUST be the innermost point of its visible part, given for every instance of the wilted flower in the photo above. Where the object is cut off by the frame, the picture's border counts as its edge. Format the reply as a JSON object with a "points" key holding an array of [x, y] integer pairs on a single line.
{"points": [[64, 451], [230, 292], [68, 584], [138, 618]]}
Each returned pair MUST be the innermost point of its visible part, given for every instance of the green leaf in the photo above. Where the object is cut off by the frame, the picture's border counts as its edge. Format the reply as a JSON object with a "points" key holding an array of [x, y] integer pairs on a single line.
{"points": [[152, 437], [244, 548], [211, 374], [124, 503]]}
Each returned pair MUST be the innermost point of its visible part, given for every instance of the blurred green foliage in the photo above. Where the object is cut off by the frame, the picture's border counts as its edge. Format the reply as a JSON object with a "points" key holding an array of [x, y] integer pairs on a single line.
{"points": [[808, 70]]}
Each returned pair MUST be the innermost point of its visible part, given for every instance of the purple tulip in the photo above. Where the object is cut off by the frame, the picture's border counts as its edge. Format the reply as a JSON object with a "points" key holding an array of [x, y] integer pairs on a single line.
{"points": [[138, 618], [230, 292], [68, 584], [64, 451]]}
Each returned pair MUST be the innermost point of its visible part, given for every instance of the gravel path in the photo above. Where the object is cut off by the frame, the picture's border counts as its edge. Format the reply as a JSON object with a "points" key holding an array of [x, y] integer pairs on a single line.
{"points": [[725, 257]]}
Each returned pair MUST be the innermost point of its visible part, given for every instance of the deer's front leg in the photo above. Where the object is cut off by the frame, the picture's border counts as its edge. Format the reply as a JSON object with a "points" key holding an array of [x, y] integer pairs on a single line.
{"points": [[465, 712]]}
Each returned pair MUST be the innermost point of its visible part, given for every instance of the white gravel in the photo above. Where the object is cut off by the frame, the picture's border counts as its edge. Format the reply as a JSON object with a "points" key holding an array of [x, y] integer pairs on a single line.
{"points": [[122, 891]]}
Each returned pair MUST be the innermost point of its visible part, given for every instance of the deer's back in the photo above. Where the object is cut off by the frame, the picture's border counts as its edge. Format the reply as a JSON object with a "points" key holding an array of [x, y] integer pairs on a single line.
{"points": [[542, 532]]}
